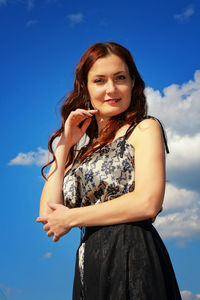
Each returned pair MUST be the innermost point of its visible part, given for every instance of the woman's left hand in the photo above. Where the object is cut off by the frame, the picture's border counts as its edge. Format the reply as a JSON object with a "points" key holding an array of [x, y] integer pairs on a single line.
{"points": [[56, 223]]}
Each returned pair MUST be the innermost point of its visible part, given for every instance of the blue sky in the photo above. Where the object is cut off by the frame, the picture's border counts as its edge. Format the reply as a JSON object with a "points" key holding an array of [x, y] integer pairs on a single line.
{"points": [[41, 43]]}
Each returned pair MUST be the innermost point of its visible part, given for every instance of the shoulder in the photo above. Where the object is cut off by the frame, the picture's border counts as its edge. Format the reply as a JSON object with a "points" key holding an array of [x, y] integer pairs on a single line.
{"points": [[151, 124], [147, 131]]}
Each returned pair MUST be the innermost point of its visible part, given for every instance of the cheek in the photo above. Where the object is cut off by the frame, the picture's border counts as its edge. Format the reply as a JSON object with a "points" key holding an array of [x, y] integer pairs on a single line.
{"points": [[127, 92], [96, 93]]}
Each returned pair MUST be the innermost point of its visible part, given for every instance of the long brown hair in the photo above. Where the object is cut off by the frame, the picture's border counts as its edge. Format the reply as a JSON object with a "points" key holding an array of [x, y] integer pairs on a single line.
{"points": [[79, 98]]}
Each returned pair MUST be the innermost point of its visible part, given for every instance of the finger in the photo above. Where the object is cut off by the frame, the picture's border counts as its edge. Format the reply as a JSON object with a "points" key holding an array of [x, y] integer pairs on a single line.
{"points": [[50, 233], [42, 219], [79, 115], [46, 227], [93, 111], [83, 113], [89, 113], [44, 222], [53, 206], [86, 111], [56, 238]]}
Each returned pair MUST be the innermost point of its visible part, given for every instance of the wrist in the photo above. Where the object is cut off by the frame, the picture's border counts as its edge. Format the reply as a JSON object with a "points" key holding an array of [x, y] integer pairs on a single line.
{"points": [[74, 217], [62, 140], [62, 145]]}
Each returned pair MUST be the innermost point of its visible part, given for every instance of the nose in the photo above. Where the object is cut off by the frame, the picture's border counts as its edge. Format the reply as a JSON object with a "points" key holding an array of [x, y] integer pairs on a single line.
{"points": [[110, 87]]}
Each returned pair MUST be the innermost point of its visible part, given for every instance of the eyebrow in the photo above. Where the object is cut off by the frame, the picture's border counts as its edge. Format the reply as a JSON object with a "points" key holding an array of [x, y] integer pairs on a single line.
{"points": [[96, 75]]}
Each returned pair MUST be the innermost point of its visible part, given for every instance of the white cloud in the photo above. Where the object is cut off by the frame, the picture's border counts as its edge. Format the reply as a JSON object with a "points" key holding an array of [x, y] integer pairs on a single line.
{"points": [[75, 18], [179, 198], [179, 107], [180, 219], [187, 295], [184, 151], [3, 2], [31, 23], [47, 255], [38, 158], [186, 14]]}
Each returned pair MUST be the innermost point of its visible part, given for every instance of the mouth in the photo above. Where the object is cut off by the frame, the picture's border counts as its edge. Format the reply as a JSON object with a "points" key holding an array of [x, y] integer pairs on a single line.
{"points": [[113, 100]]}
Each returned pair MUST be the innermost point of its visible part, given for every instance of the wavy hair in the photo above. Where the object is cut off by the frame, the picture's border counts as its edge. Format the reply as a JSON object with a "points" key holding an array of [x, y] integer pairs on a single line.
{"points": [[79, 98]]}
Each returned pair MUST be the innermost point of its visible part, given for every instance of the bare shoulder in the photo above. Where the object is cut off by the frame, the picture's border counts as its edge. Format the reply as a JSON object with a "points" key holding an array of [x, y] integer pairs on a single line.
{"points": [[146, 131], [148, 124]]}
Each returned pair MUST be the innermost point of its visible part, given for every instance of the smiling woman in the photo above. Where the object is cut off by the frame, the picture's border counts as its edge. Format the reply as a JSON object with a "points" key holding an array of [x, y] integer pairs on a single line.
{"points": [[113, 187]]}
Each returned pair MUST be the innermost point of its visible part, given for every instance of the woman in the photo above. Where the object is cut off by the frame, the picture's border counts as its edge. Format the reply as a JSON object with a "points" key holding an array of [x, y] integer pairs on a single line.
{"points": [[121, 256]]}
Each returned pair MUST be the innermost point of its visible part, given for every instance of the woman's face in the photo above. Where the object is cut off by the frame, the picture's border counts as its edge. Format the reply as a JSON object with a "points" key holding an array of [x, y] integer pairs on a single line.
{"points": [[109, 86]]}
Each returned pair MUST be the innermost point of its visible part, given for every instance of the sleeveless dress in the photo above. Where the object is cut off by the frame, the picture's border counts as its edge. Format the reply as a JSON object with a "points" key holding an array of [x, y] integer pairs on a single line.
{"points": [[117, 262]]}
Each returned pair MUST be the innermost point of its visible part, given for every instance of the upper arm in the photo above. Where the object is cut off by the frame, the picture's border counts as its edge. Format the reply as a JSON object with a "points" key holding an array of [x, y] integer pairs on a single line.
{"points": [[147, 139]]}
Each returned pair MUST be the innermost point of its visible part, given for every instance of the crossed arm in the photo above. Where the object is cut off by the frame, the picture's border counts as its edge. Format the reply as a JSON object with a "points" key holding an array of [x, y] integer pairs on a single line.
{"points": [[143, 203]]}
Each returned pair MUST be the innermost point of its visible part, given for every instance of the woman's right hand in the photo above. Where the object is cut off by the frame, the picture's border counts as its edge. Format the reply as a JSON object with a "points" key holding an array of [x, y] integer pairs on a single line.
{"points": [[72, 132]]}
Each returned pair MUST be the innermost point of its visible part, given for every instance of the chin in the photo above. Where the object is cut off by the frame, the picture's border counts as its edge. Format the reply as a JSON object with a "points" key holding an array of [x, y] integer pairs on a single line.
{"points": [[112, 114]]}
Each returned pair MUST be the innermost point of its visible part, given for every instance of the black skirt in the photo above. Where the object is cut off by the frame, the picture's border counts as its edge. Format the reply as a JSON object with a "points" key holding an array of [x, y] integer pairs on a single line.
{"points": [[125, 262]]}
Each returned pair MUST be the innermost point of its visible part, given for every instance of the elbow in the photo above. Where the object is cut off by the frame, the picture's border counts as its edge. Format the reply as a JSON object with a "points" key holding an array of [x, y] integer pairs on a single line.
{"points": [[45, 210], [152, 213], [154, 206]]}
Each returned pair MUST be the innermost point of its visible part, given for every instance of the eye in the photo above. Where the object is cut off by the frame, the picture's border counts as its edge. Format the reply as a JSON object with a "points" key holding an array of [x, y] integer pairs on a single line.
{"points": [[121, 77], [98, 80]]}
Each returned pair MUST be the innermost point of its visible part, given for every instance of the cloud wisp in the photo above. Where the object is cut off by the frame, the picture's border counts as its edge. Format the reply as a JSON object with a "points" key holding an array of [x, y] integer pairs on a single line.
{"points": [[30, 4], [188, 295], [75, 19], [186, 14], [38, 158], [8, 291], [31, 23], [3, 2], [47, 255]]}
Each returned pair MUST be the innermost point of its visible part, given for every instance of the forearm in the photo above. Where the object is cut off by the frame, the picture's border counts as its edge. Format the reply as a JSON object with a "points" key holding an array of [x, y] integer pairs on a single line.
{"points": [[127, 208], [52, 191]]}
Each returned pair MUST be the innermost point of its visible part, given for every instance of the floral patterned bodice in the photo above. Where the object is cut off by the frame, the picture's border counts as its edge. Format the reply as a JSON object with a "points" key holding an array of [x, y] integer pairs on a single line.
{"points": [[106, 174]]}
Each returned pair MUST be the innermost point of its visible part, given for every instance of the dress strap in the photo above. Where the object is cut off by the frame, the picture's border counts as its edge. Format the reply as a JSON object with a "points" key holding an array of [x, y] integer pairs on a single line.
{"points": [[132, 127], [163, 132]]}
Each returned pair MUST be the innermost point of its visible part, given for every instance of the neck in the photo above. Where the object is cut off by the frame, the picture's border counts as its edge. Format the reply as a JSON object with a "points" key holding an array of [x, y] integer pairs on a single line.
{"points": [[101, 122]]}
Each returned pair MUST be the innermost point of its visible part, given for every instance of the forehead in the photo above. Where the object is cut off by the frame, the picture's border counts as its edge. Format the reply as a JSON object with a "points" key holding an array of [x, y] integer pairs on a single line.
{"points": [[109, 64]]}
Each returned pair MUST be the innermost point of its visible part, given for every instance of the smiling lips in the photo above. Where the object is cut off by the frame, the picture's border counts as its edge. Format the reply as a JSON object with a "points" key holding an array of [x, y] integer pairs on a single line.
{"points": [[113, 101]]}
